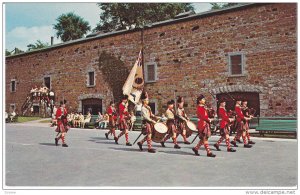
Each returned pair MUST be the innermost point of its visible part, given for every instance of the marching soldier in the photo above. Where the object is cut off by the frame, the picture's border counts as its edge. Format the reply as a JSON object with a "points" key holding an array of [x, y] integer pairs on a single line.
{"points": [[123, 115], [112, 117], [148, 124], [62, 127], [182, 119], [203, 127], [240, 129], [224, 127], [170, 114], [246, 113]]}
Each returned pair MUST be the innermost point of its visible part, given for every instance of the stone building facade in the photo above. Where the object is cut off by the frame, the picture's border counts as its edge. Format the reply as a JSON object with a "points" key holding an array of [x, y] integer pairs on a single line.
{"points": [[249, 50]]}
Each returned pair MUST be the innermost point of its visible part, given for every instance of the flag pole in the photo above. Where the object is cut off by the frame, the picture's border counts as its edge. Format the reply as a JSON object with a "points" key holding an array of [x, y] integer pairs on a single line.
{"points": [[142, 50]]}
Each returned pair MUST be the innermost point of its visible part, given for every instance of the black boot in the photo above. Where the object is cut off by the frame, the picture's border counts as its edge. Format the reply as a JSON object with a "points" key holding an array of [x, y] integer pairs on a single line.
{"points": [[56, 141], [251, 142], [231, 150], [64, 145], [187, 142], [128, 144], [234, 144], [116, 140], [177, 146], [247, 146], [151, 150], [238, 140], [196, 152], [217, 147], [140, 146], [163, 144], [106, 135], [211, 155]]}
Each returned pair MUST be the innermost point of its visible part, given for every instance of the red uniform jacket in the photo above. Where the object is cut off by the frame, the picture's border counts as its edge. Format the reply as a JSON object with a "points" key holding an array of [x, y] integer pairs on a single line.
{"points": [[202, 116], [224, 117], [59, 113], [122, 112], [239, 114], [112, 113]]}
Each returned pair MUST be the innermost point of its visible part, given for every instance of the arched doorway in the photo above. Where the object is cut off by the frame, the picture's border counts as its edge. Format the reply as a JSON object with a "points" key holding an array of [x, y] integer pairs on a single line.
{"points": [[94, 105], [251, 97]]}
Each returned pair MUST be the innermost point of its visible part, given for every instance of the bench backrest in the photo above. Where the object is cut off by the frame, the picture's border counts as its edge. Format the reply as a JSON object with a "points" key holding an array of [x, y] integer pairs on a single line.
{"points": [[290, 125]]}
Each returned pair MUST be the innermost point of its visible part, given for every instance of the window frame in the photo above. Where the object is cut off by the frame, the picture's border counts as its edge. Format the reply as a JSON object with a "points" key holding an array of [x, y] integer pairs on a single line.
{"points": [[243, 64], [49, 81], [155, 102], [11, 85], [88, 78], [146, 72]]}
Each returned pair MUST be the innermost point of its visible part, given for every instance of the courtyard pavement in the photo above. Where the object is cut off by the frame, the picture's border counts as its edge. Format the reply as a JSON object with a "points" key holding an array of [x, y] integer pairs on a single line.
{"points": [[33, 160]]}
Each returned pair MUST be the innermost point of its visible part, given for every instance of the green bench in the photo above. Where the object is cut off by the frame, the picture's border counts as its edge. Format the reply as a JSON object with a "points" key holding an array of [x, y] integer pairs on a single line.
{"points": [[92, 124], [267, 125]]}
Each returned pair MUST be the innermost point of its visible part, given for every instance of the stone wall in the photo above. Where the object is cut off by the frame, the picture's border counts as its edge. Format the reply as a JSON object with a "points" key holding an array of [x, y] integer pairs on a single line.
{"points": [[191, 58]]}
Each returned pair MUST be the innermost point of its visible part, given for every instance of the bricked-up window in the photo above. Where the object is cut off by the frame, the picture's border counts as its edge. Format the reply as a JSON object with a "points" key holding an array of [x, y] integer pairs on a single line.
{"points": [[47, 82], [150, 72], [91, 79], [236, 64], [13, 85]]}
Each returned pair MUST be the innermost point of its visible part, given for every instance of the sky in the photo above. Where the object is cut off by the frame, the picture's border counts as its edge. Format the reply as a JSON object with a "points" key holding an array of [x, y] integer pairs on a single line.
{"points": [[25, 23]]}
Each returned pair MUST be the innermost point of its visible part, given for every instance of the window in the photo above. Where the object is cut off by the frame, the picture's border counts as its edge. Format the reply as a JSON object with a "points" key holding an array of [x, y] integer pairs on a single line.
{"points": [[12, 107], [150, 72], [153, 107], [91, 79], [236, 64], [13, 85], [47, 82]]}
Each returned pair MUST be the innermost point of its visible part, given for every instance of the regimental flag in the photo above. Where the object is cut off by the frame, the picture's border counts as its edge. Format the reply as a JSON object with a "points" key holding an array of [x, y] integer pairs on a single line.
{"points": [[134, 83]]}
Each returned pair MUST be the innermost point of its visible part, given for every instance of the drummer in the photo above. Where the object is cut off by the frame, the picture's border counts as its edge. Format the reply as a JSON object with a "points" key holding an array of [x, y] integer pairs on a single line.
{"points": [[148, 124], [182, 119], [170, 114]]}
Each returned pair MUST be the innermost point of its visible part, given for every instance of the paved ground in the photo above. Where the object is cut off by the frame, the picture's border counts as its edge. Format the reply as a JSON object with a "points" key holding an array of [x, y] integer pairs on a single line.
{"points": [[32, 159]]}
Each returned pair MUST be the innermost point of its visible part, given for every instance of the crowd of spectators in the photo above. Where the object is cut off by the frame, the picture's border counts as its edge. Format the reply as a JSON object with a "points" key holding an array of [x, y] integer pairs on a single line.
{"points": [[78, 120]]}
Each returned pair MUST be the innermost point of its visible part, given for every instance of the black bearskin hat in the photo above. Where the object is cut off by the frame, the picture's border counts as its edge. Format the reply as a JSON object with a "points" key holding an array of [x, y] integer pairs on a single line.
{"points": [[180, 99]]}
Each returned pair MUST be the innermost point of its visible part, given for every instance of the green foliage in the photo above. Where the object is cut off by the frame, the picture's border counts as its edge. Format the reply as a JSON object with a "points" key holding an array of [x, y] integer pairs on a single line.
{"points": [[37, 45], [222, 5], [70, 27], [117, 16], [115, 73], [7, 53], [16, 51], [23, 119]]}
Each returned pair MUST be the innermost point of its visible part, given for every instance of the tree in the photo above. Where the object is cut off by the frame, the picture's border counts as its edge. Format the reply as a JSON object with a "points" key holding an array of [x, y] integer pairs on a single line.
{"points": [[7, 53], [70, 27], [117, 16], [222, 5], [37, 45], [18, 51]]}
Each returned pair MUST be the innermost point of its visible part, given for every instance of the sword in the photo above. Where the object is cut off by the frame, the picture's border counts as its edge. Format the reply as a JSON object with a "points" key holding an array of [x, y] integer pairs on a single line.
{"points": [[195, 138], [137, 138]]}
